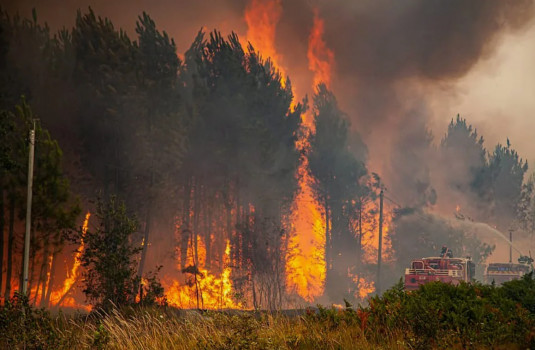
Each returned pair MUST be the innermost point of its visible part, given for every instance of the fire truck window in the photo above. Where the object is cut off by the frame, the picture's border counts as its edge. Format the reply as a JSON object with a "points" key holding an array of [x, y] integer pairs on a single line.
{"points": [[417, 265]]}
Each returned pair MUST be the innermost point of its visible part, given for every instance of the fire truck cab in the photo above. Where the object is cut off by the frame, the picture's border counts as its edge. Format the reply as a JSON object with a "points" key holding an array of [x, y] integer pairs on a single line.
{"points": [[444, 269]]}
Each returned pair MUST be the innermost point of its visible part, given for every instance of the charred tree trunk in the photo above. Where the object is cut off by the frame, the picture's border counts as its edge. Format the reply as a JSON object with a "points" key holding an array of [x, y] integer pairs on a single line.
{"points": [[147, 229], [237, 249], [42, 282], [196, 205], [53, 268], [208, 230], [2, 229], [10, 243], [228, 208], [184, 239], [327, 236]]}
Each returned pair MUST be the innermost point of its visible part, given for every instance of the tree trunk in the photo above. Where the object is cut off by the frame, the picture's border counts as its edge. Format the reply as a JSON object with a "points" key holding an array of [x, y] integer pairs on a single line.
{"points": [[207, 230], [196, 200], [237, 247], [228, 207], [147, 230], [327, 236], [10, 241], [53, 268], [31, 275], [184, 239], [2, 229], [43, 281]]}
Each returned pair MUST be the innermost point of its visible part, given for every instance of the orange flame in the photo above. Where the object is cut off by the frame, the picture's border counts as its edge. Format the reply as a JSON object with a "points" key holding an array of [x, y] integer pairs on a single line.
{"points": [[262, 17], [305, 260], [72, 277], [211, 291], [320, 57]]}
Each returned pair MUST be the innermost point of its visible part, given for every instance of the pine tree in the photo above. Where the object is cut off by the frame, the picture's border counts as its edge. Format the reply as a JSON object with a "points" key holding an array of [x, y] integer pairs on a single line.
{"points": [[338, 182]]}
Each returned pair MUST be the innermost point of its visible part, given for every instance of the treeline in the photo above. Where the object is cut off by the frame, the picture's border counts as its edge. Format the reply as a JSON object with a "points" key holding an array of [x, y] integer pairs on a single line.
{"points": [[203, 149], [471, 185]]}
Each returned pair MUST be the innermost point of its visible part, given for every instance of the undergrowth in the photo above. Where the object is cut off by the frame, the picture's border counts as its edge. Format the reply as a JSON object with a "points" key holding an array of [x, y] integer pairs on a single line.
{"points": [[437, 316]]}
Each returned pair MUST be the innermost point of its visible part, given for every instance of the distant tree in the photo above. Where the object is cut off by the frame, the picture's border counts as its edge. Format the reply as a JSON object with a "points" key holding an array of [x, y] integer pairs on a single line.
{"points": [[506, 173], [462, 151], [526, 207], [109, 257]]}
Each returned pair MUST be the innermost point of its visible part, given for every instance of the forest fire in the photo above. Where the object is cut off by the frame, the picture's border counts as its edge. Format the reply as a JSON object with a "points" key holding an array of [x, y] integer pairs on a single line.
{"points": [[203, 289], [306, 267], [258, 170], [61, 297], [267, 186]]}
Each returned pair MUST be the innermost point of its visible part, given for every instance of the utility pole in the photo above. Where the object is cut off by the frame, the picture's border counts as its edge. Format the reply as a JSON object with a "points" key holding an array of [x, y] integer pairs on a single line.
{"points": [[510, 245], [25, 266], [380, 247]]}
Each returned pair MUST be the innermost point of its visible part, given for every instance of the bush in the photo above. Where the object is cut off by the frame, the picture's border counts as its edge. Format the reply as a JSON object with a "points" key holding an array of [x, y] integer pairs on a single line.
{"points": [[443, 315], [25, 327]]}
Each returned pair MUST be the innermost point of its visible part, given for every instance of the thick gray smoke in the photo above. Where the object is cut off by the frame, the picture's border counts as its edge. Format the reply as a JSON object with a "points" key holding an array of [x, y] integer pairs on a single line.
{"points": [[388, 52]]}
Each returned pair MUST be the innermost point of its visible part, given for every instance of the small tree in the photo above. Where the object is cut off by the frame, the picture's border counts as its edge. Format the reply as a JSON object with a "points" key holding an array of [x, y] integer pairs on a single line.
{"points": [[109, 258]]}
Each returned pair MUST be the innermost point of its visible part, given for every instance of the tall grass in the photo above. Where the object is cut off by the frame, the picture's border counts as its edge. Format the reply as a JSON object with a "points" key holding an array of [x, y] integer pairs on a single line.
{"points": [[172, 329]]}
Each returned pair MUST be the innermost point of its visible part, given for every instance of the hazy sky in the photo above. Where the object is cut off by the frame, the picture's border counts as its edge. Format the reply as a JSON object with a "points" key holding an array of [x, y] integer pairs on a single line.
{"points": [[497, 96]]}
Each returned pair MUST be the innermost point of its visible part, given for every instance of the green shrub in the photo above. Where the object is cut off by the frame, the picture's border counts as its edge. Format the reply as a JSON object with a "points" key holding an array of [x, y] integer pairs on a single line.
{"points": [[443, 315], [25, 327]]}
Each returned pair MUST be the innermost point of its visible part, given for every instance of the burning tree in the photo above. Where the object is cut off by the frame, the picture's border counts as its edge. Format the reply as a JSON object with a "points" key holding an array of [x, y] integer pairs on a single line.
{"points": [[239, 170], [338, 176]]}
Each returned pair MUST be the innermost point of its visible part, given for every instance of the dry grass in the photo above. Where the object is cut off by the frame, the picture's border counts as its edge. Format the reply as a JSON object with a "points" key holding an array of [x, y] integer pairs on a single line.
{"points": [[157, 329]]}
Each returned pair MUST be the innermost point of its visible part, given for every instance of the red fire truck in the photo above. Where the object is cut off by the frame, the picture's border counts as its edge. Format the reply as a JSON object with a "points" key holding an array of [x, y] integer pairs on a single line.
{"points": [[444, 268]]}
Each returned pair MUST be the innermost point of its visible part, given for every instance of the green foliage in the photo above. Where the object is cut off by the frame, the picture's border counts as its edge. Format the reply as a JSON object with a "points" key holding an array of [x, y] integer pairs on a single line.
{"points": [[110, 274], [153, 290], [443, 315], [55, 209], [25, 327], [101, 337]]}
